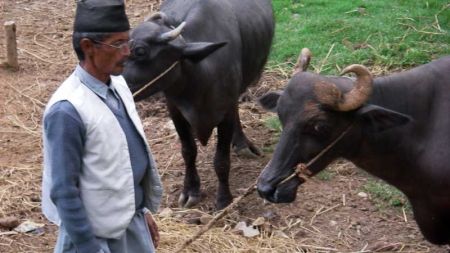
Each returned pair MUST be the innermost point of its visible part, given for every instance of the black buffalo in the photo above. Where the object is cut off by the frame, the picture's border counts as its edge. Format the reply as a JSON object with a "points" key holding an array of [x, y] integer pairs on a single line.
{"points": [[204, 54], [398, 129]]}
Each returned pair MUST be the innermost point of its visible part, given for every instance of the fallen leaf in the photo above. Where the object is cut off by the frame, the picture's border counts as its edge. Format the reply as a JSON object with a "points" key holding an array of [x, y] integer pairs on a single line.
{"points": [[240, 225], [250, 231], [247, 231], [259, 221], [28, 226]]}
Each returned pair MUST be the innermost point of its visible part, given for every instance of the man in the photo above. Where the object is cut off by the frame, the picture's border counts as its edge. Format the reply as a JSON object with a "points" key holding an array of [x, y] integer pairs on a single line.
{"points": [[100, 181]]}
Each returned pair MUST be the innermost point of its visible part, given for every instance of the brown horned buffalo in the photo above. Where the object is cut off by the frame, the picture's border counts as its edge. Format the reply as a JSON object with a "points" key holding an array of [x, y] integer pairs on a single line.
{"points": [[216, 51], [395, 127]]}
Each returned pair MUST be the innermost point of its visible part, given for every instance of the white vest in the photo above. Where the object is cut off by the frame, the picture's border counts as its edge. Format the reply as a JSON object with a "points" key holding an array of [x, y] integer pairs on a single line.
{"points": [[106, 180]]}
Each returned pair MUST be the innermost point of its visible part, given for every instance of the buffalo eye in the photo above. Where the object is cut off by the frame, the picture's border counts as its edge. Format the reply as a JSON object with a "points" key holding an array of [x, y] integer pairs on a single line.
{"points": [[318, 129], [140, 52]]}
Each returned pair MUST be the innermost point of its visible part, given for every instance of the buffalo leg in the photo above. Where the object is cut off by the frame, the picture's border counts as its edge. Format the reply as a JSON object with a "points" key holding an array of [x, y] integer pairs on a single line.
{"points": [[432, 221], [222, 161], [190, 195], [241, 145]]}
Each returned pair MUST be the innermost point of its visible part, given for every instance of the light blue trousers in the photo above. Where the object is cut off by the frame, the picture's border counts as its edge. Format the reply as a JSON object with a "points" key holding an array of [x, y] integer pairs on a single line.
{"points": [[136, 239]]}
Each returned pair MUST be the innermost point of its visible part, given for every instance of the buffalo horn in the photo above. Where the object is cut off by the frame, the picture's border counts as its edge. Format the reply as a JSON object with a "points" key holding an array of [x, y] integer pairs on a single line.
{"points": [[303, 61], [173, 34], [156, 16], [361, 90]]}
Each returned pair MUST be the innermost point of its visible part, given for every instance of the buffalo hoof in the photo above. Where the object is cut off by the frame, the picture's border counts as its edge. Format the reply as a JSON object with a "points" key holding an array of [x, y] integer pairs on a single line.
{"points": [[222, 203], [242, 146], [188, 201], [249, 151]]}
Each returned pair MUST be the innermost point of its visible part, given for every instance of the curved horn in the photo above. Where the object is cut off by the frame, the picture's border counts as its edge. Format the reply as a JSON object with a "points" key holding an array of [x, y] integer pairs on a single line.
{"points": [[361, 90], [173, 34], [303, 61], [156, 16]]}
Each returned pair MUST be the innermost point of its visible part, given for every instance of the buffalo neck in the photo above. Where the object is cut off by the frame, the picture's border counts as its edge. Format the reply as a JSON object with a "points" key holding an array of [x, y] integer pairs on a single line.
{"points": [[386, 154]]}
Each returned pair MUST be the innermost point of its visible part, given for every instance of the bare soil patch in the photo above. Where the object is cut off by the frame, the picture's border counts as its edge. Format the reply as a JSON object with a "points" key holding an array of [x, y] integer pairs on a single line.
{"points": [[328, 215]]}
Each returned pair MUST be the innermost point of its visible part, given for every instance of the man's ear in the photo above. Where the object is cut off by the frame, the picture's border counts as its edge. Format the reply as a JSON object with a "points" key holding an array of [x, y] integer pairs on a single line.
{"points": [[87, 46], [378, 119], [269, 101], [197, 51]]}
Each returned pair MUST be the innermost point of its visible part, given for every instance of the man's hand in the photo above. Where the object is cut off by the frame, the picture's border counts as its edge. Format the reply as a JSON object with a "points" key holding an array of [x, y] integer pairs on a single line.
{"points": [[153, 228]]}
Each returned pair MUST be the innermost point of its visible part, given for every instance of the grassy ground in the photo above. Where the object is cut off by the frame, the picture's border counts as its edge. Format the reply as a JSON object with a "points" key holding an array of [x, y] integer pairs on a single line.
{"points": [[393, 34], [385, 195]]}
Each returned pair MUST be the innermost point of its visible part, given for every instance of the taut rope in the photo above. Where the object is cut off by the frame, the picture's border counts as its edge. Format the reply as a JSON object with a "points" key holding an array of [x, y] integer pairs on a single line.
{"points": [[155, 79], [303, 169]]}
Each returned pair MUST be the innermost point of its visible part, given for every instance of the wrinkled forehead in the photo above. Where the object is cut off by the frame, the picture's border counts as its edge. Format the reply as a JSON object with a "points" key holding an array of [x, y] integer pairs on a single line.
{"points": [[299, 102], [118, 36]]}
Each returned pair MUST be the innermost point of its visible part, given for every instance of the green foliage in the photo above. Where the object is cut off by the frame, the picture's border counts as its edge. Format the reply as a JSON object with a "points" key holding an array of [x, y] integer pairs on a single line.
{"points": [[385, 33], [385, 195], [274, 124], [325, 175]]}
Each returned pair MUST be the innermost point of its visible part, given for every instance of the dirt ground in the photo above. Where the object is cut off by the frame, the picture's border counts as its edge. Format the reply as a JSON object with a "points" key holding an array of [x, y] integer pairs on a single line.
{"points": [[328, 215]]}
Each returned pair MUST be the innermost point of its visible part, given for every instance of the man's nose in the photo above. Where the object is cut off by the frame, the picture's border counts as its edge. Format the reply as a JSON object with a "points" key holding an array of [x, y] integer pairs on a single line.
{"points": [[126, 51]]}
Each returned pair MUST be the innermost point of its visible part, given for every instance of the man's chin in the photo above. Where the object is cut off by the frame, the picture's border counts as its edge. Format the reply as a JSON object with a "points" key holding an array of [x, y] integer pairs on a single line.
{"points": [[117, 71]]}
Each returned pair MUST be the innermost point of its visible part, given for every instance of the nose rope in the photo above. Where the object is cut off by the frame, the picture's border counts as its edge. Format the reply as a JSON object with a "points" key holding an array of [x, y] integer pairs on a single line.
{"points": [[303, 169], [155, 79]]}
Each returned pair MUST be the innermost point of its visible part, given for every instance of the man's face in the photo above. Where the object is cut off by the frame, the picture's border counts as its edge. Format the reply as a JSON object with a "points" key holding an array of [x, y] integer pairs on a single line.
{"points": [[111, 53]]}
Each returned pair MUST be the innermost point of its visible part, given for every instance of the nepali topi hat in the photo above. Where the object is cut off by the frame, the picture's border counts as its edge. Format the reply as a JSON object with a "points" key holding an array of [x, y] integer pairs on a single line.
{"points": [[101, 16]]}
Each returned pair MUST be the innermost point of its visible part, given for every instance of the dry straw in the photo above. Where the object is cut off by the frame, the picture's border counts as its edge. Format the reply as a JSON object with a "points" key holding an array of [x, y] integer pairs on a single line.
{"points": [[224, 239]]}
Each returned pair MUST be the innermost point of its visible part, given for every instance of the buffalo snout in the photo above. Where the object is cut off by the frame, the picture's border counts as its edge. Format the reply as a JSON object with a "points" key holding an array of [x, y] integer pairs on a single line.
{"points": [[265, 190], [279, 193]]}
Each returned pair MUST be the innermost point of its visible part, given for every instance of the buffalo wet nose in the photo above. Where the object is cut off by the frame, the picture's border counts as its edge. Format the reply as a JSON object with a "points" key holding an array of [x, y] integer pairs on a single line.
{"points": [[265, 190]]}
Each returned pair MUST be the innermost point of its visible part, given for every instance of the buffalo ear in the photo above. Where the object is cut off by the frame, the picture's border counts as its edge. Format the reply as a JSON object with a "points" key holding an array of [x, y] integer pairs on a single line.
{"points": [[197, 51], [269, 101], [378, 119]]}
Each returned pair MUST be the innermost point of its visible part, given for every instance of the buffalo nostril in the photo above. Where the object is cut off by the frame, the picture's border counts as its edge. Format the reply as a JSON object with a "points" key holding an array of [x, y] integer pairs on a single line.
{"points": [[265, 190]]}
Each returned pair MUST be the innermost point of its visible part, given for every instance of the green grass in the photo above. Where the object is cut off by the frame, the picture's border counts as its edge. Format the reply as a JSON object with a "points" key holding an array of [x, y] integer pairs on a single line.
{"points": [[389, 33], [385, 195], [274, 124], [325, 175]]}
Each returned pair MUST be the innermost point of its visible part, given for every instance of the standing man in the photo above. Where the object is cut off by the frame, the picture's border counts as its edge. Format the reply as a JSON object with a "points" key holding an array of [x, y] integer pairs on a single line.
{"points": [[100, 182]]}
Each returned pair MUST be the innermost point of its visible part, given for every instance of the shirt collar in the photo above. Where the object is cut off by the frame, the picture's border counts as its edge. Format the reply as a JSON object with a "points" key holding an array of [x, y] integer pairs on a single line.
{"points": [[97, 86]]}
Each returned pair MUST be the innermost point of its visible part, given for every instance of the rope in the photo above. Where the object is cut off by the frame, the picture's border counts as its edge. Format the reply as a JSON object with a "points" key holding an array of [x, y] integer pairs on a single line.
{"points": [[301, 169], [208, 226], [155, 79]]}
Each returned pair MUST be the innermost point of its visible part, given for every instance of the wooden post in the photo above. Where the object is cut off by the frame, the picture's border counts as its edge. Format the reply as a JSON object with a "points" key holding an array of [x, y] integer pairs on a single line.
{"points": [[11, 45]]}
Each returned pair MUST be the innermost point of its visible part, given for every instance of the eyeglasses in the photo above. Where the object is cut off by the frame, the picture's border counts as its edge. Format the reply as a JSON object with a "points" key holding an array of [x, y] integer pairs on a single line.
{"points": [[122, 46]]}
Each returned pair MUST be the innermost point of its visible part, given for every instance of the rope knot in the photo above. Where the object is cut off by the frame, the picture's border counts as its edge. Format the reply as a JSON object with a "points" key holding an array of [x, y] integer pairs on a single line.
{"points": [[302, 169]]}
